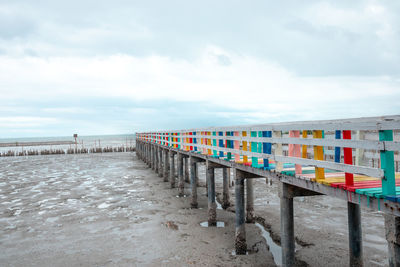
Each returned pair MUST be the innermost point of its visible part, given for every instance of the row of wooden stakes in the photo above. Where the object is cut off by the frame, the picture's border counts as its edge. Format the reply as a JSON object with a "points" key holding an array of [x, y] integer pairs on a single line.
{"points": [[13, 153]]}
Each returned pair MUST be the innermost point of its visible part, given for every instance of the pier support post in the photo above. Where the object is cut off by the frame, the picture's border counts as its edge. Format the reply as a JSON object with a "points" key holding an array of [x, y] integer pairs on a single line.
{"points": [[166, 164], [212, 206], [151, 156], [154, 163], [225, 187], [172, 169], [157, 150], [187, 180], [392, 230], [287, 226], [181, 181], [197, 175], [155, 158], [148, 155], [240, 230], [193, 183], [160, 162], [355, 234], [249, 201]]}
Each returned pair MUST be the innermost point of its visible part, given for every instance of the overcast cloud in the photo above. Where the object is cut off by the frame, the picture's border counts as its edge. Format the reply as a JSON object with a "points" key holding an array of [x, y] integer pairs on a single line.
{"points": [[108, 67]]}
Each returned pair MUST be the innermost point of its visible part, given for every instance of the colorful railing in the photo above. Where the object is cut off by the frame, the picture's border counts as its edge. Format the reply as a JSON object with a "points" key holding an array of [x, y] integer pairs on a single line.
{"points": [[322, 151]]}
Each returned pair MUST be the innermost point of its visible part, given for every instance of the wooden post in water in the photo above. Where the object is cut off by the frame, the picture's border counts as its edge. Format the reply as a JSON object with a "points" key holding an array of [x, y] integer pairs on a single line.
{"points": [[240, 229], [212, 206], [225, 187], [181, 181]]}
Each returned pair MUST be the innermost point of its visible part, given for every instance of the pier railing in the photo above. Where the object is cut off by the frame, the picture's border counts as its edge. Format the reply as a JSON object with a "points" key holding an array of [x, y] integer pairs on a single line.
{"points": [[347, 145]]}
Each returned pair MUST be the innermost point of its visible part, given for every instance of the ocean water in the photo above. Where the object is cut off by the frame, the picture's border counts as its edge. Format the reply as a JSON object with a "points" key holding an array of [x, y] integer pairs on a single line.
{"points": [[91, 141]]}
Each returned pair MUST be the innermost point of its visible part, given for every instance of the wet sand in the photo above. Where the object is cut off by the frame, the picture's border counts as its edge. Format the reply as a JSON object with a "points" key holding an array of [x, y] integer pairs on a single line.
{"points": [[107, 210], [111, 210]]}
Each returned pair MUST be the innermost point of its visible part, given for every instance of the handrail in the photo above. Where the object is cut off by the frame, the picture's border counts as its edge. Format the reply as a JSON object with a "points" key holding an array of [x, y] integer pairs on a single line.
{"points": [[249, 143]]}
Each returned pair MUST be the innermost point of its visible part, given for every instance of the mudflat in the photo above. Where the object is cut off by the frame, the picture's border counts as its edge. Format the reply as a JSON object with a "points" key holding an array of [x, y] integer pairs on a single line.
{"points": [[111, 210], [107, 210]]}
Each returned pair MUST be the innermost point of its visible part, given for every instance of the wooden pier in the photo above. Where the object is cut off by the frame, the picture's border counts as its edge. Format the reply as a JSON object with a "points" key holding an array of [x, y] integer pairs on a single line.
{"points": [[352, 159]]}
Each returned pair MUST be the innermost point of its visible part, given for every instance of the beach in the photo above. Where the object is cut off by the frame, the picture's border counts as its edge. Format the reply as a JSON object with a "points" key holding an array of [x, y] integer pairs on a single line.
{"points": [[112, 210]]}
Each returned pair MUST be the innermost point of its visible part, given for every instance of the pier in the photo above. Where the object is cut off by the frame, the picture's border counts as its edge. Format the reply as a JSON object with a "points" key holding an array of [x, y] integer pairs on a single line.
{"points": [[355, 160]]}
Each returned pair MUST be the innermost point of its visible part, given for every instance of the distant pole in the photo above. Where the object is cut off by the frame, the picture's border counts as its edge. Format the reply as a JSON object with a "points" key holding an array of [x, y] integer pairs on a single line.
{"points": [[76, 142]]}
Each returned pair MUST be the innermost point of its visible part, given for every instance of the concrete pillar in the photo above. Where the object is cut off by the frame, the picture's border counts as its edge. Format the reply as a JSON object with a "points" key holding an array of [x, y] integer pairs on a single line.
{"points": [[172, 169], [225, 187], [355, 234], [249, 201], [151, 156], [187, 180], [392, 230], [160, 162], [147, 155], [181, 181], [157, 154], [287, 226], [212, 206], [240, 229], [193, 183], [197, 175], [166, 164], [153, 152]]}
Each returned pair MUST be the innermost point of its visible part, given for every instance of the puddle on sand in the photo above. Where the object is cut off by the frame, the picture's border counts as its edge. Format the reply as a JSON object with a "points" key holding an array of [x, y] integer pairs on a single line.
{"points": [[234, 253], [219, 224], [274, 248], [219, 207]]}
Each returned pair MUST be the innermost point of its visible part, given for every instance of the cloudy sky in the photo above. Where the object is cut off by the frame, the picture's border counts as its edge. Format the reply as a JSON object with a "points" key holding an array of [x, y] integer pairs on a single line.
{"points": [[109, 67]]}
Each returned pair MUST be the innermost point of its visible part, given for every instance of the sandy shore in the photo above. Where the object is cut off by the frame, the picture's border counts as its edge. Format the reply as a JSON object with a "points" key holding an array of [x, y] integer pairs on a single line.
{"points": [[111, 210]]}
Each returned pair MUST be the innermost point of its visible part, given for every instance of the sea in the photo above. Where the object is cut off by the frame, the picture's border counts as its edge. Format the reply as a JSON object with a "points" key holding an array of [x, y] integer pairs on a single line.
{"points": [[90, 141]]}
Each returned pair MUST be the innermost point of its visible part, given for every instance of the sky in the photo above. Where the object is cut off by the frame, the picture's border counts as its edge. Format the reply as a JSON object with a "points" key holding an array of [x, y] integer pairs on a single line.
{"points": [[115, 67]]}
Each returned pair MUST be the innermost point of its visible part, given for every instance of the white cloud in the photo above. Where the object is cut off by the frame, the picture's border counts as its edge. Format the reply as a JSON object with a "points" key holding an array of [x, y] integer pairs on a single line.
{"points": [[247, 83], [23, 122]]}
